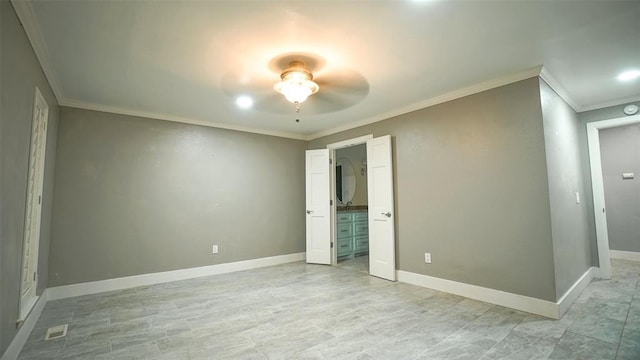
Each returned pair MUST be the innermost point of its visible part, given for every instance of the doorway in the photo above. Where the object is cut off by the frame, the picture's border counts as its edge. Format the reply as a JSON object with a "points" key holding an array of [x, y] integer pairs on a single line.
{"points": [[342, 193], [597, 184], [351, 199], [321, 229]]}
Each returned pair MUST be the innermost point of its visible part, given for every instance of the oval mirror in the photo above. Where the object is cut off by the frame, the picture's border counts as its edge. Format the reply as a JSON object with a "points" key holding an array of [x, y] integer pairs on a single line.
{"points": [[345, 180]]}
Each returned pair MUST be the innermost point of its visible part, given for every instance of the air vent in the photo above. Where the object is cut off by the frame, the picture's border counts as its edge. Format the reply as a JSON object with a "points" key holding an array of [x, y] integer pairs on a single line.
{"points": [[56, 332]]}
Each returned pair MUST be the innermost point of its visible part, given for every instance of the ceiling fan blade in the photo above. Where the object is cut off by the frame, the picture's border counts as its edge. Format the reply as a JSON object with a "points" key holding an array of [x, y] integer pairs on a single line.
{"points": [[343, 81], [329, 102], [274, 103], [339, 90], [237, 83], [258, 88], [312, 62]]}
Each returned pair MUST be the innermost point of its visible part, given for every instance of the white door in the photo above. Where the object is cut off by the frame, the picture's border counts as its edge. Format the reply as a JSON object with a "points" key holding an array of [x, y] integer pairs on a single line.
{"points": [[382, 244], [318, 207], [33, 212]]}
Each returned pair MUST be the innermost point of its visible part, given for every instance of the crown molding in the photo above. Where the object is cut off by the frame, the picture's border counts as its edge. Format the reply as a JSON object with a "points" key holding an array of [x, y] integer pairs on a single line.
{"points": [[168, 117], [564, 94], [540, 71], [456, 94], [27, 17], [623, 101], [559, 89]]}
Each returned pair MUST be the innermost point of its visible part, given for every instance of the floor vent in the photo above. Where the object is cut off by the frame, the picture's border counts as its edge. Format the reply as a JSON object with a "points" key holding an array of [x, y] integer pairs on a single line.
{"points": [[56, 332]]}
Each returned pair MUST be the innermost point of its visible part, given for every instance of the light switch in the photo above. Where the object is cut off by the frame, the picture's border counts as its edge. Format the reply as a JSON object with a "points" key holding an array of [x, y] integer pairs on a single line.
{"points": [[627, 176], [577, 197]]}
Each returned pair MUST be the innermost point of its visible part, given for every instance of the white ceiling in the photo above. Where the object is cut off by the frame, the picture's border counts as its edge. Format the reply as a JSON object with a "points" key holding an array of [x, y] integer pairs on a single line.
{"points": [[169, 59]]}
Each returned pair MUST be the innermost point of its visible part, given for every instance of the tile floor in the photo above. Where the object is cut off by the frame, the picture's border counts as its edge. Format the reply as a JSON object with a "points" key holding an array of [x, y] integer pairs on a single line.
{"points": [[300, 311]]}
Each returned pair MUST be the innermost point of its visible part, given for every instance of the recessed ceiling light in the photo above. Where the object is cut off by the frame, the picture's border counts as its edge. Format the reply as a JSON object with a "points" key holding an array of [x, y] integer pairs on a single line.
{"points": [[244, 102], [629, 75]]}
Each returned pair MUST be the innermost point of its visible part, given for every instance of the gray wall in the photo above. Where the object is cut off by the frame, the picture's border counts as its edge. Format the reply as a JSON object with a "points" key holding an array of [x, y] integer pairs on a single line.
{"points": [[471, 188], [136, 195], [570, 230], [19, 73], [607, 113], [620, 153]]}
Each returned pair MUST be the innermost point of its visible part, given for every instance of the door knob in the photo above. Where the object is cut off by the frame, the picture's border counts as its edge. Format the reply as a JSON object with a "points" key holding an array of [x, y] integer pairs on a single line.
{"points": [[387, 214], [309, 211]]}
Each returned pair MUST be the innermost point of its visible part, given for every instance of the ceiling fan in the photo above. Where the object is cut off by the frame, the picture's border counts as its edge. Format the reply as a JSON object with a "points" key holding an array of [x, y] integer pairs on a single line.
{"points": [[291, 79]]}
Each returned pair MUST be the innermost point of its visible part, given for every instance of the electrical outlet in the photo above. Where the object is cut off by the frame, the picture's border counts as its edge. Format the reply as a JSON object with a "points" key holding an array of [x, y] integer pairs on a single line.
{"points": [[427, 258], [214, 250]]}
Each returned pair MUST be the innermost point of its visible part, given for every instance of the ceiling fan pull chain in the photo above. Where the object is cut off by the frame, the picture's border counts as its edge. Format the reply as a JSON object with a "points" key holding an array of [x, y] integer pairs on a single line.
{"points": [[297, 106]]}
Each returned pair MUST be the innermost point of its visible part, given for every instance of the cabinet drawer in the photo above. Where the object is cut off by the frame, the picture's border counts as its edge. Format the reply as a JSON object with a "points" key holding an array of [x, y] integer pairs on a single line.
{"points": [[345, 230], [361, 216], [345, 246], [362, 243], [361, 228], [344, 217]]}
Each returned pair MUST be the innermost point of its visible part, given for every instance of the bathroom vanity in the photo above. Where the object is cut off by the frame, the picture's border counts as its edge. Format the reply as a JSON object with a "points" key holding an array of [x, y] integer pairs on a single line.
{"points": [[352, 232]]}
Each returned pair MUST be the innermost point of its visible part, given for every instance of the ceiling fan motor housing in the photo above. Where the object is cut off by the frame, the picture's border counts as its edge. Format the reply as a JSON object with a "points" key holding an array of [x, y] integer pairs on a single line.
{"points": [[296, 69]]}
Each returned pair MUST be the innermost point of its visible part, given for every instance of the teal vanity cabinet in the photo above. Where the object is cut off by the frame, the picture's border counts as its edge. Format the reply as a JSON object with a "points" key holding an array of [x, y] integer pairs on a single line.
{"points": [[352, 233]]}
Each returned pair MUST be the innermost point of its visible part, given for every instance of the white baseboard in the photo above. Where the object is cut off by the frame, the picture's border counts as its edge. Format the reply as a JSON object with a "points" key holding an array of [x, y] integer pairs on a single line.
{"points": [[624, 255], [514, 301], [66, 291], [574, 291], [14, 349]]}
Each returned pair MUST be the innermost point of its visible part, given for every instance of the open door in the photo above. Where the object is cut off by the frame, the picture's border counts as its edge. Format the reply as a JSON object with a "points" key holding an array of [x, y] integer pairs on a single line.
{"points": [[318, 177], [31, 242], [382, 248]]}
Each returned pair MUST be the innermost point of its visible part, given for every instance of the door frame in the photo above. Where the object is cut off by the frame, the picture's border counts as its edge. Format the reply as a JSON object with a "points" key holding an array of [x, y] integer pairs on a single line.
{"points": [[332, 190], [597, 188]]}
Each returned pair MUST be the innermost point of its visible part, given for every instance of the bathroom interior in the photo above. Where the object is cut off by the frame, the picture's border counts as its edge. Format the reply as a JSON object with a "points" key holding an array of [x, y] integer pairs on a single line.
{"points": [[352, 221]]}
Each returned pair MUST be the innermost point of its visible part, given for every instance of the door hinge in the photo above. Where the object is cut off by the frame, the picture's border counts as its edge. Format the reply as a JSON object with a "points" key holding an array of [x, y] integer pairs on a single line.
{"points": [[330, 202], [330, 161], [332, 244], [39, 199], [34, 276]]}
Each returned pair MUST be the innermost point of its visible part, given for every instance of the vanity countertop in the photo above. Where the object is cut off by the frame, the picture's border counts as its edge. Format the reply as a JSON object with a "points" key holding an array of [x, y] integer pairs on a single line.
{"points": [[342, 208]]}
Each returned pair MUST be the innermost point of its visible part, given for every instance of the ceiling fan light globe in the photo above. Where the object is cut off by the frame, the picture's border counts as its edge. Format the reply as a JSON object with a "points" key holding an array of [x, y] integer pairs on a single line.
{"points": [[298, 96], [296, 90]]}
